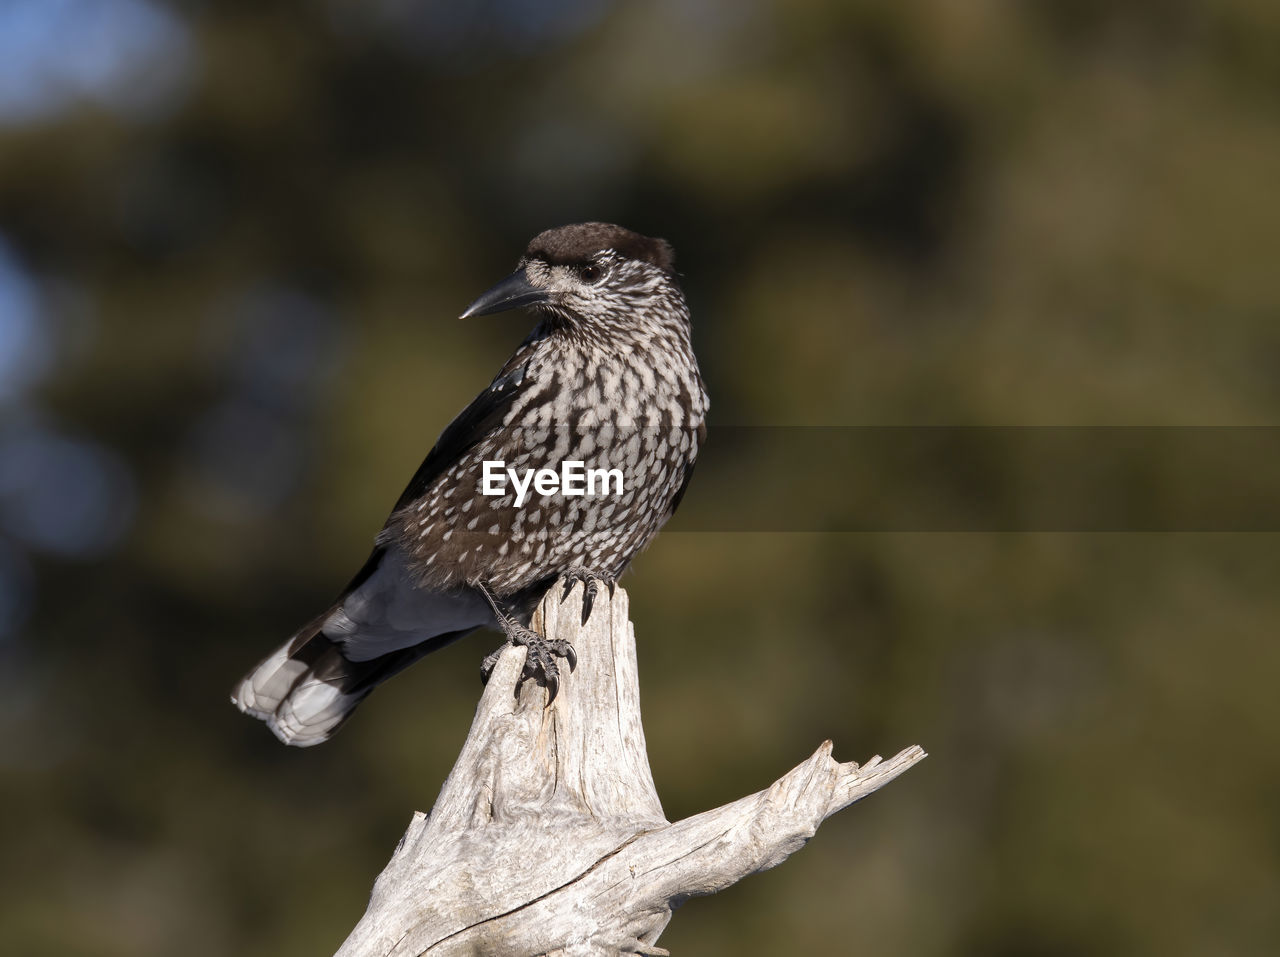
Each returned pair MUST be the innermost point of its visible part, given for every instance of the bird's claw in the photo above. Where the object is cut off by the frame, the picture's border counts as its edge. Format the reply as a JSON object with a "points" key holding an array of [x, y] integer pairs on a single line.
{"points": [[540, 657], [491, 661], [540, 651], [592, 580], [540, 661]]}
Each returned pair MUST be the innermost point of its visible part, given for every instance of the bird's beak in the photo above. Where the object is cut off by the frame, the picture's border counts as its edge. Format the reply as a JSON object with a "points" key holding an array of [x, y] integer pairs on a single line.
{"points": [[513, 292]]}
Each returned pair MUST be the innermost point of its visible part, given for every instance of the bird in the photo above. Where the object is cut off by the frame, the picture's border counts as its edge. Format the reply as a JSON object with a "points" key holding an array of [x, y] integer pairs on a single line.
{"points": [[607, 381]]}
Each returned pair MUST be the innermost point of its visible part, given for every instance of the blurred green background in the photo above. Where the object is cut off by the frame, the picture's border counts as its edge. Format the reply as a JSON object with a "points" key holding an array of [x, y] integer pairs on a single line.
{"points": [[233, 238]]}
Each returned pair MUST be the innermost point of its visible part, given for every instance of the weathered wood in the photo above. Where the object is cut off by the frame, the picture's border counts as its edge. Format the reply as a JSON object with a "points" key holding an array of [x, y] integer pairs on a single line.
{"points": [[548, 836]]}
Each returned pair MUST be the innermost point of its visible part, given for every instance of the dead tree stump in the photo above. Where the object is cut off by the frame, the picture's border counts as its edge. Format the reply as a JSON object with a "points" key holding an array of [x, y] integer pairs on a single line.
{"points": [[548, 836]]}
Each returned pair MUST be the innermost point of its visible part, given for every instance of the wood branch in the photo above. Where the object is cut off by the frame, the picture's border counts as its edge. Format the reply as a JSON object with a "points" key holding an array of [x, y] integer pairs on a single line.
{"points": [[548, 836]]}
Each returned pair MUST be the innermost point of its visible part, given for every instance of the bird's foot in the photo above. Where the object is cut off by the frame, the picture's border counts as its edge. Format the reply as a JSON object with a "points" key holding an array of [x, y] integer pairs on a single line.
{"points": [[541, 652], [540, 656], [593, 580]]}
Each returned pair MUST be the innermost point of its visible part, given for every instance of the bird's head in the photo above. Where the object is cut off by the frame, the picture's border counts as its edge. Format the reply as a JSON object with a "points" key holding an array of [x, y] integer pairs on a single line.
{"points": [[591, 275]]}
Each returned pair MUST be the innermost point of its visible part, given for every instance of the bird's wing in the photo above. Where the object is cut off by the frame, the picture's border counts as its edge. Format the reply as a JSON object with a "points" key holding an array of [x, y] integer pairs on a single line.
{"points": [[383, 620], [479, 419]]}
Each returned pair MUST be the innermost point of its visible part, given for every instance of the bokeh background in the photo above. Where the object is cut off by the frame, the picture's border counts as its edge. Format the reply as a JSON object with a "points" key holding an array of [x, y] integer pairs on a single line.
{"points": [[233, 238]]}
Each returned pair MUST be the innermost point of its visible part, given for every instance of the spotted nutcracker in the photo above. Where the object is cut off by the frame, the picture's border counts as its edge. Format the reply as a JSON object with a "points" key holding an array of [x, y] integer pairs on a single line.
{"points": [[607, 382]]}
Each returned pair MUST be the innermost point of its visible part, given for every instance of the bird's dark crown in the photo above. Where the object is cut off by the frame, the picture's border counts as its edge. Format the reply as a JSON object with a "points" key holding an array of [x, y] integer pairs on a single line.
{"points": [[567, 245]]}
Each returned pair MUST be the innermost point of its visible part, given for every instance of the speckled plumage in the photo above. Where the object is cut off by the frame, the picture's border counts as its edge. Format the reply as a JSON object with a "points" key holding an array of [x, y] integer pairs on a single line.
{"points": [[608, 377]]}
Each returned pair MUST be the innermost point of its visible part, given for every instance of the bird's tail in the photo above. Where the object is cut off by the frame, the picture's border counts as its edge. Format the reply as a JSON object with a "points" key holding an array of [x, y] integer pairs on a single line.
{"points": [[307, 687]]}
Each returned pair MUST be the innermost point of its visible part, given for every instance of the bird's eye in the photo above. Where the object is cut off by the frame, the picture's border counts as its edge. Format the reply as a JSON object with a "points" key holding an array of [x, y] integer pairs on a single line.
{"points": [[590, 273]]}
